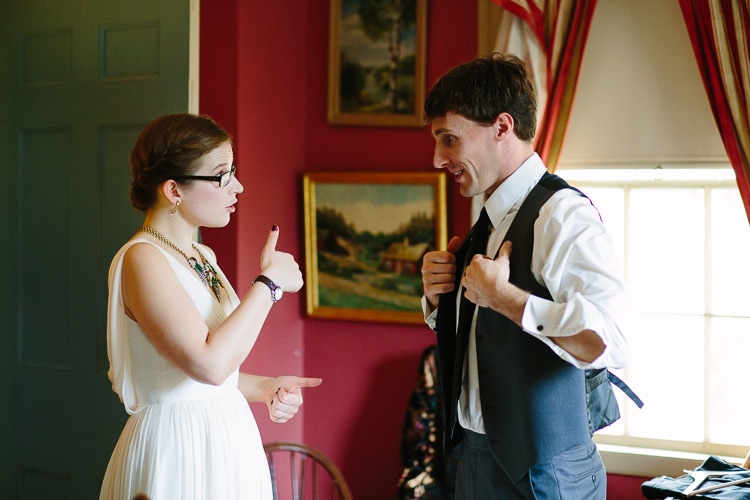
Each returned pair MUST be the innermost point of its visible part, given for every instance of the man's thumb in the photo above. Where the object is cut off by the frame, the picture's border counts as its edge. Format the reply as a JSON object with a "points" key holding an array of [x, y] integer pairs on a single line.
{"points": [[505, 250], [454, 244]]}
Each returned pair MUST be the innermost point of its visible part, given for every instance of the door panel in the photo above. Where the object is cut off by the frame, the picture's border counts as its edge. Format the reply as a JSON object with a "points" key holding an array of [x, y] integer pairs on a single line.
{"points": [[77, 83]]}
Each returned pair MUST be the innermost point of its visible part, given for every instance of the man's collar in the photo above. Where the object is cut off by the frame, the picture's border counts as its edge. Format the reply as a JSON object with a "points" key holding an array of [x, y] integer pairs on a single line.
{"points": [[514, 189]]}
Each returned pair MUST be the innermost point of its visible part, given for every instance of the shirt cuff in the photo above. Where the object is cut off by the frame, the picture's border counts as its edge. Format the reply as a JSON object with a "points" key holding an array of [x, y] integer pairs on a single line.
{"points": [[545, 319], [541, 317], [550, 319], [430, 317]]}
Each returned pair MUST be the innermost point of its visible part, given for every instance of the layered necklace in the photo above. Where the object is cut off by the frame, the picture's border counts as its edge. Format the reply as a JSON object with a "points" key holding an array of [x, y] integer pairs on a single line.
{"points": [[206, 271]]}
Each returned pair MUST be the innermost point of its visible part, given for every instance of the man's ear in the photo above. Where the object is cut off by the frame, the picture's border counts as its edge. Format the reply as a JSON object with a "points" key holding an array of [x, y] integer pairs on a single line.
{"points": [[504, 124]]}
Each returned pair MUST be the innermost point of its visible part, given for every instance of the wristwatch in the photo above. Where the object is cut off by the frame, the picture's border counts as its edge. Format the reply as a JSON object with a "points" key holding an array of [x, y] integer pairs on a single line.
{"points": [[276, 291]]}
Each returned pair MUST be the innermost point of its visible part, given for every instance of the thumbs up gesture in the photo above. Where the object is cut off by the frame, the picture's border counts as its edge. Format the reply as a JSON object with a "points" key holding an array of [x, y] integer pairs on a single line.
{"points": [[280, 266]]}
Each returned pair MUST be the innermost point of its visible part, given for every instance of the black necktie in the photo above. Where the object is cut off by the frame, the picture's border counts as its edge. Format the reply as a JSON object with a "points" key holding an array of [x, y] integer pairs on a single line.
{"points": [[479, 235]]}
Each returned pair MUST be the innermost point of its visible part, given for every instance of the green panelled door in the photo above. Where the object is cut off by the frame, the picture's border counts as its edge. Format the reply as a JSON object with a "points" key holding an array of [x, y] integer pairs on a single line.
{"points": [[78, 80]]}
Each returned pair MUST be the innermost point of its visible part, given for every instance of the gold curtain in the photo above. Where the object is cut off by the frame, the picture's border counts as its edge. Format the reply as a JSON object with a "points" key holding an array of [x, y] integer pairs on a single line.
{"points": [[560, 29], [719, 32]]}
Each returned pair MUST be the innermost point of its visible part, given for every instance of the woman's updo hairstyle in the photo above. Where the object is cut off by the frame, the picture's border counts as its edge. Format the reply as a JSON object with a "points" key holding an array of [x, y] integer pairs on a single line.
{"points": [[169, 147]]}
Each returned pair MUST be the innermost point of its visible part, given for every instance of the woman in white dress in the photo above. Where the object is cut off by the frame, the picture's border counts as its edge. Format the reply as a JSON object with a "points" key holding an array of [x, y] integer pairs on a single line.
{"points": [[177, 332]]}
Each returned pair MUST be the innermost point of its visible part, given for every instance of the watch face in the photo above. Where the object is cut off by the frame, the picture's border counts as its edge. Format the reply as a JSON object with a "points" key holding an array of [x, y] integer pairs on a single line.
{"points": [[276, 291]]}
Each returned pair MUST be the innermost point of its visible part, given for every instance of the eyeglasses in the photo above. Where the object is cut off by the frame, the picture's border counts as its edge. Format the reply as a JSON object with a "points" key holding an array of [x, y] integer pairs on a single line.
{"points": [[223, 179]]}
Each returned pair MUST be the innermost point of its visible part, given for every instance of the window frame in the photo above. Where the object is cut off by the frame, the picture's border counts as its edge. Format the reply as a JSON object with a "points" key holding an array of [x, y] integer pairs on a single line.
{"points": [[627, 454]]}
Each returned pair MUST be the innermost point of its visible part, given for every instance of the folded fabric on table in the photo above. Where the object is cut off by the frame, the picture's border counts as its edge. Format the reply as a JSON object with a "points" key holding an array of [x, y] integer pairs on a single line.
{"points": [[664, 486]]}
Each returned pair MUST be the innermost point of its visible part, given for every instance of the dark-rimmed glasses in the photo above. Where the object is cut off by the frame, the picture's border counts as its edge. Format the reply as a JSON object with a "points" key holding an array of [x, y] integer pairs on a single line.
{"points": [[222, 179]]}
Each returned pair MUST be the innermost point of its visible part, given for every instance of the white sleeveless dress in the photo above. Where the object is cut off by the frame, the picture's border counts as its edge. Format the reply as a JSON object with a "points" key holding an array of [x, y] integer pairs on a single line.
{"points": [[184, 440]]}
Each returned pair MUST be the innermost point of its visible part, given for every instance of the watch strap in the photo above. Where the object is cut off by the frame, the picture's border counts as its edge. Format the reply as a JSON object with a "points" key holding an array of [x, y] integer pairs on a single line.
{"points": [[275, 289]]}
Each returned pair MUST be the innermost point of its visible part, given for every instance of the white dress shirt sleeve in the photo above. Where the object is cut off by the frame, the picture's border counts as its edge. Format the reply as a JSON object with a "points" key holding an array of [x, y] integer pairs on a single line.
{"points": [[575, 259]]}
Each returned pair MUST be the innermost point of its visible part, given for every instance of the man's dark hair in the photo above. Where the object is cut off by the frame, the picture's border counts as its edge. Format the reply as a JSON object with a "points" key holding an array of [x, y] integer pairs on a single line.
{"points": [[482, 89]]}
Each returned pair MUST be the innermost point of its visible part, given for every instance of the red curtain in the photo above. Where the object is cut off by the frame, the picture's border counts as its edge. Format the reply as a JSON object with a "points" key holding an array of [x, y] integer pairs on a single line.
{"points": [[719, 31], [561, 27]]}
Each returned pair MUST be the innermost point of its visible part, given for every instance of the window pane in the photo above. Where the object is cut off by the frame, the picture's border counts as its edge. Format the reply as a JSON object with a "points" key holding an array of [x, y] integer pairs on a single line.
{"points": [[730, 249], [611, 205], [666, 250], [729, 404], [667, 371]]}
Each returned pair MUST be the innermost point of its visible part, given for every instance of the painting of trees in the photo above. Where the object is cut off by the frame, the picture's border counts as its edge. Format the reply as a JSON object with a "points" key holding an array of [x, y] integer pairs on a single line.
{"points": [[377, 62], [385, 19]]}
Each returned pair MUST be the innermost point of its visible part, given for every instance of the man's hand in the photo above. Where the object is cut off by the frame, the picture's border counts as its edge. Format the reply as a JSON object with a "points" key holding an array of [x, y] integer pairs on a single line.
{"points": [[484, 275], [439, 271], [486, 283]]}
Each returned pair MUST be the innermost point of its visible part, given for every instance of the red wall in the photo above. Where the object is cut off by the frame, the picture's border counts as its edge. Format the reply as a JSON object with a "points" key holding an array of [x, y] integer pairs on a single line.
{"points": [[624, 487], [264, 74]]}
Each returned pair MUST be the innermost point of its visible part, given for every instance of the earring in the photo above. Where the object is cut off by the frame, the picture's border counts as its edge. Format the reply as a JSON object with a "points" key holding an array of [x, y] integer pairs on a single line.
{"points": [[174, 208]]}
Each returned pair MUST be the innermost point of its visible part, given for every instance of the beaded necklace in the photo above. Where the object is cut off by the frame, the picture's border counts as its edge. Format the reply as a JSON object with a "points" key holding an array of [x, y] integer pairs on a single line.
{"points": [[206, 272]]}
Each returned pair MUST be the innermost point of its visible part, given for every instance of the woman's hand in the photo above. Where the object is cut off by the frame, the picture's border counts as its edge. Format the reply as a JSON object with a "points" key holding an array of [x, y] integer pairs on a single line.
{"points": [[284, 396], [280, 267]]}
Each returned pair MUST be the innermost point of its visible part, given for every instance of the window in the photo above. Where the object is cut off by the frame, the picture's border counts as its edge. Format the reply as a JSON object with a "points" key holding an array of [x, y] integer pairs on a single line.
{"points": [[685, 242]]}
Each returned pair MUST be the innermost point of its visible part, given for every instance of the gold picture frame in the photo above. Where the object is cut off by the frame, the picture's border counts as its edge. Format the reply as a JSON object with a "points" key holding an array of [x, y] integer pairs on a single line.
{"points": [[365, 236], [372, 79]]}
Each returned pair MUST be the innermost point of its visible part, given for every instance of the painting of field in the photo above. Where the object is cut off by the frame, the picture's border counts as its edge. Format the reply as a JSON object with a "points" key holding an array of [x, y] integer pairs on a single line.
{"points": [[366, 244]]}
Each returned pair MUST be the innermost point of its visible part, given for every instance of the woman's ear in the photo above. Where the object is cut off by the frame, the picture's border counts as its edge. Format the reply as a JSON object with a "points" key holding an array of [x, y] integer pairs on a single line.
{"points": [[170, 190]]}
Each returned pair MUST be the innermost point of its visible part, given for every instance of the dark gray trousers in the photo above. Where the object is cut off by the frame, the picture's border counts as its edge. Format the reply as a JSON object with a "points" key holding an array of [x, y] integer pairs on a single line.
{"points": [[576, 474]]}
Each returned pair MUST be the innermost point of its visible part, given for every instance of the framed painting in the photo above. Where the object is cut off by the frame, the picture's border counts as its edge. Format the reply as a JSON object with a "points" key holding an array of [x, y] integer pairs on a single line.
{"points": [[365, 236], [377, 62]]}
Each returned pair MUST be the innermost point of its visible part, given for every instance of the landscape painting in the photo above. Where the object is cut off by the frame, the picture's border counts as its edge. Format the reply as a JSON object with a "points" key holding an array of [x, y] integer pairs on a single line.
{"points": [[365, 236], [377, 62]]}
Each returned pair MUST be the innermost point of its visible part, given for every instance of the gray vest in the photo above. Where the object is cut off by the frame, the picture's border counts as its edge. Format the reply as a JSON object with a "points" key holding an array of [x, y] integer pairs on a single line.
{"points": [[533, 402]]}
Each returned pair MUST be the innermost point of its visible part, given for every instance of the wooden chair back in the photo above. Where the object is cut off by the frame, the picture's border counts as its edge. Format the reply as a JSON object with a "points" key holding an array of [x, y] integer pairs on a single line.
{"points": [[301, 472]]}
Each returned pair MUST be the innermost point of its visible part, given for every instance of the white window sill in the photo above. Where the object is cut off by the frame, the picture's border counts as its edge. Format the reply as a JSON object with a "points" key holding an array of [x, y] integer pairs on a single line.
{"points": [[648, 462]]}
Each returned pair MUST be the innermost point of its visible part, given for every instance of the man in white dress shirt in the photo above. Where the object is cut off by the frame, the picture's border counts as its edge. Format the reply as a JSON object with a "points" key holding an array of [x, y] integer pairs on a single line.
{"points": [[513, 383]]}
